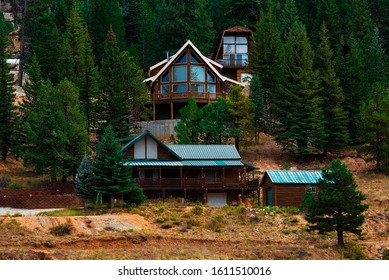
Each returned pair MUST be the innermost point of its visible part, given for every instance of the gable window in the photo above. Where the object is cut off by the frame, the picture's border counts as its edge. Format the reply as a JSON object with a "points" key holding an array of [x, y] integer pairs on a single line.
{"points": [[180, 88], [182, 59], [165, 77], [197, 87], [197, 73], [165, 90], [179, 74]]}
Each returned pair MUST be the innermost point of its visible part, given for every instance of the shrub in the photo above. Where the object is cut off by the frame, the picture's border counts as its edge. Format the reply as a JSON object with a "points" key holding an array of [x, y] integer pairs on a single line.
{"points": [[61, 230], [136, 197], [385, 255], [166, 225], [197, 210], [193, 222], [354, 252], [15, 186], [216, 223]]}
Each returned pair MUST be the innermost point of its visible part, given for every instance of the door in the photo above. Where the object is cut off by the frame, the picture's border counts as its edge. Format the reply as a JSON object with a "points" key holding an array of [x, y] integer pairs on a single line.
{"points": [[269, 197], [217, 199]]}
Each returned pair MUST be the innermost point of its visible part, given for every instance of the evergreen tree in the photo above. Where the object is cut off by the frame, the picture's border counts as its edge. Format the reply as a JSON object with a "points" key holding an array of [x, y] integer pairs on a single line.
{"points": [[7, 97], [338, 206], [240, 110], [100, 16], [123, 91], [359, 18], [187, 128], [335, 118], [85, 180], [289, 16], [256, 97], [56, 131], [353, 78], [179, 21], [328, 12], [380, 14], [82, 72], [298, 107], [216, 125], [374, 127], [112, 176], [265, 61]]}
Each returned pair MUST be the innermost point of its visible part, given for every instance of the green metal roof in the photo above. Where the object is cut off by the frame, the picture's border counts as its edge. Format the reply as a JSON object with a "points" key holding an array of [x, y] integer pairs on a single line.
{"points": [[294, 176], [185, 163], [205, 152]]}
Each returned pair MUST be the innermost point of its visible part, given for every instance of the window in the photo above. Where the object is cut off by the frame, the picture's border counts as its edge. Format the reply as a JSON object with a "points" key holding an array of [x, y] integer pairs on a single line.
{"points": [[245, 78], [179, 74], [211, 77], [165, 89], [235, 50], [182, 59], [165, 77], [312, 188], [197, 87], [180, 88], [197, 73], [211, 88], [194, 59]]}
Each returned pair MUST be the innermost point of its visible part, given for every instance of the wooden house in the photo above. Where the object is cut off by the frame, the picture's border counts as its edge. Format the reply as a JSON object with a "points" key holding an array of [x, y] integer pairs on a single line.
{"points": [[231, 50], [287, 187], [186, 74], [207, 173]]}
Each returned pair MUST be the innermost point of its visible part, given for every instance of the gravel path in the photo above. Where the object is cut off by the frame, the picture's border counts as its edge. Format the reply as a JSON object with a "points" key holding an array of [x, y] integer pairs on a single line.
{"points": [[24, 212]]}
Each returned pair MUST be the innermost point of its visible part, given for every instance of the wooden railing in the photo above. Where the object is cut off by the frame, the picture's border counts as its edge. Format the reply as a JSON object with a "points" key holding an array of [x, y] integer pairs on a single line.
{"points": [[199, 96], [196, 182]]}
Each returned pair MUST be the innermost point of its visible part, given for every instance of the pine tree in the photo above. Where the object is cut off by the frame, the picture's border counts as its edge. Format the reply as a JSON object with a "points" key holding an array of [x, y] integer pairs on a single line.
{"points": [[353, 78], [216, 125], [187, 128], [289, 16], [298, 107], [83, 72], [112, 176], [338, 206], [380, 14], [7, 97], [257, 99], [328, 12], [265, 61], [179, 21], [374, 127], [240, 110], [335, 118], [359, 17], [56, 131], [85, 180]]}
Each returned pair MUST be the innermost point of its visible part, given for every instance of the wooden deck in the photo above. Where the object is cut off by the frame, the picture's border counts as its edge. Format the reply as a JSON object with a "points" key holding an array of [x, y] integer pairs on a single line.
{"points": [[184, 96]]}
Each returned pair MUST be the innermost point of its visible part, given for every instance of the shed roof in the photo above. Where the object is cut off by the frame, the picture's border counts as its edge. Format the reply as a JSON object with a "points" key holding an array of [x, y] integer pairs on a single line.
{"points": [[204, 152], [294, 176]]}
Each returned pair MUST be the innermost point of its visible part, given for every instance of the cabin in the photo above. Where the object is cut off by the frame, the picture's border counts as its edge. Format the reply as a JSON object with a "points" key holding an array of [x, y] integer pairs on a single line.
{"points": [[212, 174], [287, 187], [231, 49], [186, 74]]}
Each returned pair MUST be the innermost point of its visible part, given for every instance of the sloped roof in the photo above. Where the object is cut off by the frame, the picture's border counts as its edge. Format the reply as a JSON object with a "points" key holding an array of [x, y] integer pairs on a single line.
{"points": [[187, 163], [294, 176], [196, 152], [171, 60]]}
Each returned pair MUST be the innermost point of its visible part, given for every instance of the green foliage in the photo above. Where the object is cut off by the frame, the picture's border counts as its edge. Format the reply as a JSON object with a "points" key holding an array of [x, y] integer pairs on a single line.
{"points": [[61, 230], [197, 210], [112, 176], [374, 127], [4, 182], [7, 97], [299, 108], [56, 131], [335, 118], [136, 197], [289, 16], [339, 205], [353, 252], [187, 127], [85, 180]]}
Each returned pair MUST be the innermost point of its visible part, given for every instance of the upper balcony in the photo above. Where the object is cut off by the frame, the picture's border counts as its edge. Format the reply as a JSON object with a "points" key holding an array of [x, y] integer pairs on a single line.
{"points": [[235, 63]]}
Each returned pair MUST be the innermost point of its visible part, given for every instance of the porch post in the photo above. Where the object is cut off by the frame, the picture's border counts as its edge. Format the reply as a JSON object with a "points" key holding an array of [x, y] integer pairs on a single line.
{"points": [[160, 177], [171, 110], [224, 177], [202, 178], [154, 111], [181, 179]]}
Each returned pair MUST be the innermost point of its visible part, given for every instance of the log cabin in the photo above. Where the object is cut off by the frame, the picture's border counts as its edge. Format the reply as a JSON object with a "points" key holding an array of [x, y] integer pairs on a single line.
{"points": [[212, 174], [287, 187]]}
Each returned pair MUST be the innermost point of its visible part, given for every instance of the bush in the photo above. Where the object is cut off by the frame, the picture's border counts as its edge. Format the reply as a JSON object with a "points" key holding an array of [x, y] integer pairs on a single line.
{"points": [[193, 222], [385, 255], [4, 182], [61, 230], [197, 210], [15, 186], [136, 197], [166, 225], [354, 252]]}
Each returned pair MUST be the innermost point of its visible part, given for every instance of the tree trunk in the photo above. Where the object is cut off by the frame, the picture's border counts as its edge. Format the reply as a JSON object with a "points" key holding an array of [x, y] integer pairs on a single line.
{"points": [[340, 238]]}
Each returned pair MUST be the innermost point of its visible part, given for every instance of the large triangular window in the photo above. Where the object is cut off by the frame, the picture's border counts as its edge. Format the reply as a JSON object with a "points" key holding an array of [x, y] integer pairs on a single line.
{"points": [[182, 58], [194, 59]]}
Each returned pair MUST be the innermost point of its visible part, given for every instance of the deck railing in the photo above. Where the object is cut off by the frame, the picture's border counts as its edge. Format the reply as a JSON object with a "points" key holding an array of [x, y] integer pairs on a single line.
{"points": [[199, 96], [196, 183]]}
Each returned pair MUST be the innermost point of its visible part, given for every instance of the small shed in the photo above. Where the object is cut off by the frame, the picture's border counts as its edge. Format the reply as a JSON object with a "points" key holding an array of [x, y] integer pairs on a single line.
{"points": [[287, 187]]}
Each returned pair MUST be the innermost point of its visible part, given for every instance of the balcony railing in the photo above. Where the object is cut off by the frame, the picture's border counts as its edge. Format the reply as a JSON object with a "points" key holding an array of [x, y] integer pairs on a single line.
{"points": [[199, 96], [196, 183]]}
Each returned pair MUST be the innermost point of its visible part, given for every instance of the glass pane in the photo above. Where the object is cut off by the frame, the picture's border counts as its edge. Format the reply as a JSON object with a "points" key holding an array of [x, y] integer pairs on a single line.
{"points": [[197, 73], [212, 88], [165, 77], [211, 78], [229, 39], [165, 89], [180, 88], [197, 88], [241, 48], [242, 59], [228, 48], [182, 59], [241, 40], [194, 59], [179, 74]]}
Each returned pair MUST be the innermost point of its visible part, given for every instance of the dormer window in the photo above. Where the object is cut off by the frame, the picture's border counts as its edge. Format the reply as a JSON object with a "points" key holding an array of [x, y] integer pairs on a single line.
{"points": [[235, 49]]}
